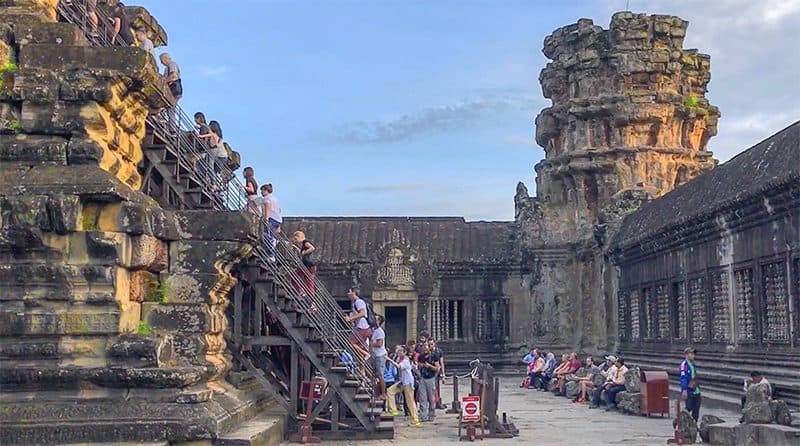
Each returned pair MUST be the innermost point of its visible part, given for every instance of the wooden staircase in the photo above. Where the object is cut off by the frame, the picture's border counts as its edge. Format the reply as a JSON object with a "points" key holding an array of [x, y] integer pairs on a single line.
{"points": [[348, 410], [171, 176]]}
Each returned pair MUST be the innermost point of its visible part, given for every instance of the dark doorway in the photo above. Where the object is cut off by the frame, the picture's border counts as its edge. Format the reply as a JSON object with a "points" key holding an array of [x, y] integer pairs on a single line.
{"points": [[395, 327]]}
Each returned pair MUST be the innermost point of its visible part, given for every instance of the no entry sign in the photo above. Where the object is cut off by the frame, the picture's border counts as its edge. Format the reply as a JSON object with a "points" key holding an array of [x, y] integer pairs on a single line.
{"points": [[470, 409]]}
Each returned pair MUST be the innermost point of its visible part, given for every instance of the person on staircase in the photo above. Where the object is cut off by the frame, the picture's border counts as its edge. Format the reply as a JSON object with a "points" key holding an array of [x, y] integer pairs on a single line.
{"points": [[404, 384], [219, 152], [308, 271], [271, 212], [358, 317], [378, 353], [690, 389], [122, 26], [251, 190], [145, 43], [172, 76]]}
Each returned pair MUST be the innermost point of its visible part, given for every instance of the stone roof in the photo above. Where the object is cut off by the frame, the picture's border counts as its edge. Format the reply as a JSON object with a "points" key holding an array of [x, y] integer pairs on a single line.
{"points": [[435, 239], [769, 164]]}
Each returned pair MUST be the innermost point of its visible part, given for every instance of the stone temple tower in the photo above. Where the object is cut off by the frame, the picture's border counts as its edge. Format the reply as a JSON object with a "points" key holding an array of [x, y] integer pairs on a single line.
{"points": [[629, 120]]}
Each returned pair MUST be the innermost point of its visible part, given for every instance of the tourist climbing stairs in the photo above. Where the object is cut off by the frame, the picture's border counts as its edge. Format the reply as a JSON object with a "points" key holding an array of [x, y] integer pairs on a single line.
{"points": [[287, 331]]}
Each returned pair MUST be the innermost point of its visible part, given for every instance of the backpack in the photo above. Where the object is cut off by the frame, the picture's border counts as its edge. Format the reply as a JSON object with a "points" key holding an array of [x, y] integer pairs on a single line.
{"points": [[371, 315]]}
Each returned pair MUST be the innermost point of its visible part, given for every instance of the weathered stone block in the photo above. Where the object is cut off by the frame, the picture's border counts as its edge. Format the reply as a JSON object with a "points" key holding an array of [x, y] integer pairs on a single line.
{"points": [[141, 351], [629, 402], [219, 226], [141, 281], [191, 288], [148, 252], [780, 412], [756, 407], [33, 31], [185, 318], [32, 149], [34, 321], [572, 388], [35, 85], [633, 382], [686, 425], [201, 256], [705, 423], [159, 378]]}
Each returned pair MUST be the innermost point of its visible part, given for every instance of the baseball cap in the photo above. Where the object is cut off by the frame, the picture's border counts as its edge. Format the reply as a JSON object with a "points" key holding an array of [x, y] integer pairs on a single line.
{"points": [[611, 358], [689, 350]]}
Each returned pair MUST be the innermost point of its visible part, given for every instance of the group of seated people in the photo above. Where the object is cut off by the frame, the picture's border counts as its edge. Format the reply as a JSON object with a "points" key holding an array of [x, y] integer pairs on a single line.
{"points": [[591, 377]]}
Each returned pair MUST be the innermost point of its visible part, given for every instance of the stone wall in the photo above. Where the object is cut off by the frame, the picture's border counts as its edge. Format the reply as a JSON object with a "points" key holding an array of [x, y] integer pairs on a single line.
{"points": [[629, 121], [112, 309]]}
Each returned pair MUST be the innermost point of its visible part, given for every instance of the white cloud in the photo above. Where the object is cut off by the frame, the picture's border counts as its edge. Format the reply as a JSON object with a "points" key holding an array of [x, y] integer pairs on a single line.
{"points": [[215, 71]]}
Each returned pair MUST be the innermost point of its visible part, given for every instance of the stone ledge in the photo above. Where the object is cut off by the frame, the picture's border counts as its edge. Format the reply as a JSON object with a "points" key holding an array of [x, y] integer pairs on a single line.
{"points": [[106, 421]]}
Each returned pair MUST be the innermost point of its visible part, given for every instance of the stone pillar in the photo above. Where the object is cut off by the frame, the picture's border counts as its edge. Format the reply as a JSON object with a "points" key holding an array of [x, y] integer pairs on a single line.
{"points": [[111, 308], [629, 121]]}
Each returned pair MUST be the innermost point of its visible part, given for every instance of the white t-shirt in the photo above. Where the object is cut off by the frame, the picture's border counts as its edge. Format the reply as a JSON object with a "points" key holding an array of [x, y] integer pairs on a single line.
{"points": [[406, 378], [359, 305], [274, 208], [378, 334]]}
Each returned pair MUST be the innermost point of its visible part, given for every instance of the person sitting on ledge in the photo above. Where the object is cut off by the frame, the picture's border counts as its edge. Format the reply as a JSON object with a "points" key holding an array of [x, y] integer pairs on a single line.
{"points": [[615, 384], [585, 382], [610, 368], [535, 371], [550, 365], [527, 360], [572, 366], [755, 378]]}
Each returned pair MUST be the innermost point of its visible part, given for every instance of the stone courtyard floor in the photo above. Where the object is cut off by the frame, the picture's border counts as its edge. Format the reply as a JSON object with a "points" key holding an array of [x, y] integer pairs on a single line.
{"points": [[543, 419]]}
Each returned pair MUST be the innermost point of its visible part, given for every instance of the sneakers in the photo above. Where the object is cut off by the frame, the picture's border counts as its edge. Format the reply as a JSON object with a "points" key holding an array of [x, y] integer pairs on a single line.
{"points": [[393, 413], [271, 259], [417, 424]]}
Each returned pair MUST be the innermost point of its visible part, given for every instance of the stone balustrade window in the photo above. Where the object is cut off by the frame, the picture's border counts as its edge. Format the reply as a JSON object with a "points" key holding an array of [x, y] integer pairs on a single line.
{"points": [[697, 306], [775, 292], [635, 312], [491, 320], [679, 311], [447, 319], [662, 330], [745, 312], [720, 304]]}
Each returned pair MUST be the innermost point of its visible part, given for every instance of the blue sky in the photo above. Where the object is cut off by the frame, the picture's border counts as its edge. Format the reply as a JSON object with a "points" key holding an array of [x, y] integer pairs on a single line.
{"points": [[427, 108]]}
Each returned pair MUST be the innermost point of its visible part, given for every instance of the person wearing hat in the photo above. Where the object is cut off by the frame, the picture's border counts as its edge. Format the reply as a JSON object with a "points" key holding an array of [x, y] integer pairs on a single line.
{"points": [[690, 389], [610, 371]]}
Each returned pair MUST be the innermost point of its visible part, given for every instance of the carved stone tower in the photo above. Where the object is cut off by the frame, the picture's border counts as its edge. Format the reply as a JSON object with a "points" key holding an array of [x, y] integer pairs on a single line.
{"points": [[629, 121]]}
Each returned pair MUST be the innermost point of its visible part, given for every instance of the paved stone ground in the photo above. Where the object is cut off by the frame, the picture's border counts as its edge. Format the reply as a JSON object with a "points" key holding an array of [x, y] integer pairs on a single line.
{"points": [[542, 419]]}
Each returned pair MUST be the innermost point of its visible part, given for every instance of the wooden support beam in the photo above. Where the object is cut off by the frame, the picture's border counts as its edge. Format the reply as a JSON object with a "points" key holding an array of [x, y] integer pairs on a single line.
{"points": [[270, 340]]}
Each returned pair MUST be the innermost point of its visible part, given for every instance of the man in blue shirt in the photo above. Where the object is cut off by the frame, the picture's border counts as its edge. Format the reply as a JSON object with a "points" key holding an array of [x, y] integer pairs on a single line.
{"points": [[690, 390]]}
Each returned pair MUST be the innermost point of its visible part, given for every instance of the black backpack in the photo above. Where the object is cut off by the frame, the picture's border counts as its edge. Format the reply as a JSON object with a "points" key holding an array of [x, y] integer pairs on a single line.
{"points": [[371, 316]]}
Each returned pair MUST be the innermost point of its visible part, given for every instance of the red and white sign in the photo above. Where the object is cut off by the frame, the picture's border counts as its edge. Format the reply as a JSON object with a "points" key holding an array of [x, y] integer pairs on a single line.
{"points": [[470, 409]]}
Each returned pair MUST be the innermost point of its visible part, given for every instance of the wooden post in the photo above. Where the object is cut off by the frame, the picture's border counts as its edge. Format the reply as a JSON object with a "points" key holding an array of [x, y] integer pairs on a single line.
{"points": [[455, 407], [293, 379]]}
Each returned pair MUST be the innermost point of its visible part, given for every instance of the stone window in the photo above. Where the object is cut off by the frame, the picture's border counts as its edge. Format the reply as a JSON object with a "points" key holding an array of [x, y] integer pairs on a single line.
{"points": [[623, 312], [679, 304], [662, 312], [491, 320], [635, 312], [720, 306], [745, 312], [649, 313], [796, 274], [447, 319], [775, 289], [699, 314]]}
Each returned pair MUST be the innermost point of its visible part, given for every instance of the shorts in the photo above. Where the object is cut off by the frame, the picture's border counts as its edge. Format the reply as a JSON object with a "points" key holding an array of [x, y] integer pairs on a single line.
{"points": [[378, 364], [360, 336]]}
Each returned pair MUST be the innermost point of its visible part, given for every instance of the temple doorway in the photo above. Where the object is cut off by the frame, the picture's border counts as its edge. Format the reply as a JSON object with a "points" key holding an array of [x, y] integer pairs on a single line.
{"points": [[396, 325]]}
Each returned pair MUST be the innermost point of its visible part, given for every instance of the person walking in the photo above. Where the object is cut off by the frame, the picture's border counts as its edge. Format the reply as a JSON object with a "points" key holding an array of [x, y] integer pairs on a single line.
{"points": [[378, 355], [172, 75], [690, 389], [122, 26], [308, 271], [404, 384]]}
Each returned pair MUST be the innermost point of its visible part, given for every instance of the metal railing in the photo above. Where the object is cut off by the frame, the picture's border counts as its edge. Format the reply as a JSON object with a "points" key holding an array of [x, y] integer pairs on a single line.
{"points": [[274, 251]]}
